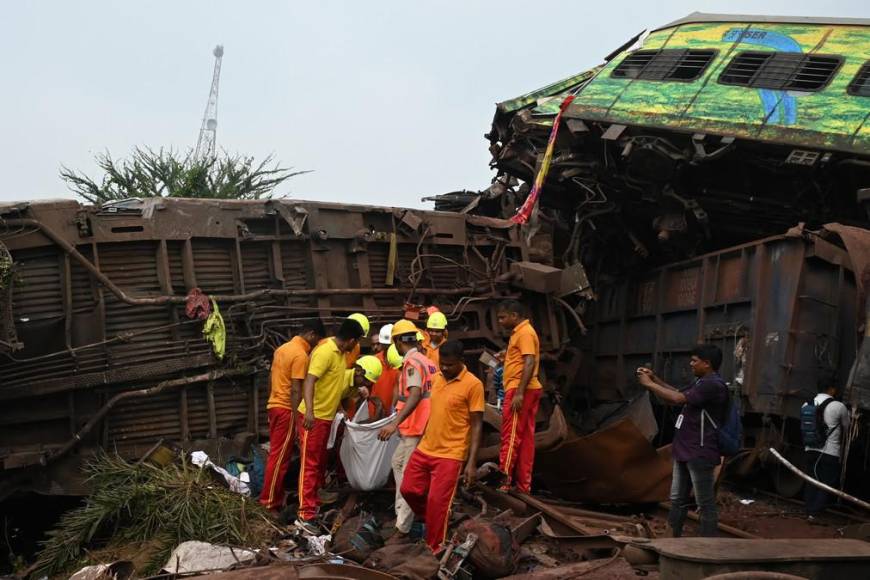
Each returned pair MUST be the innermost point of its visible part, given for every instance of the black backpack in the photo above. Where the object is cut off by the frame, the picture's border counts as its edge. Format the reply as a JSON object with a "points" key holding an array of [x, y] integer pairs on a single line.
{"points": [[814, 430]]}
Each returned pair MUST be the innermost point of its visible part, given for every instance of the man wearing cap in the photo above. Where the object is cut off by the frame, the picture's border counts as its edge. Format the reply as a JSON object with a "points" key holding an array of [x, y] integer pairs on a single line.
{"points": [[450, 443], [435, 335], [386, 385], [415, 385], [289, 368], [522, 396], [366, 327], [327, 383]]}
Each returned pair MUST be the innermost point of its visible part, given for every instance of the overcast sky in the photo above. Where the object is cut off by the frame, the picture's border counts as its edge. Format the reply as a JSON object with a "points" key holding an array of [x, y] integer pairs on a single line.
{"points": [[385, 101]]}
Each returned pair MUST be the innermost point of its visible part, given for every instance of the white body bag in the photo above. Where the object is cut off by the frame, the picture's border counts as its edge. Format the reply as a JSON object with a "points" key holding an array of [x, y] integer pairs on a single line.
{"points": [[367, 459]]}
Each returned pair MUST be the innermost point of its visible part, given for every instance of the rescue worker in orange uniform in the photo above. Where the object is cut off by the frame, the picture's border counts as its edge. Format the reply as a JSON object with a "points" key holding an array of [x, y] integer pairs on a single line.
{"points": [[435, 335], [415, 386], [522, 396], [384, 389], [328, 382], [289, 368], [450, 443]]}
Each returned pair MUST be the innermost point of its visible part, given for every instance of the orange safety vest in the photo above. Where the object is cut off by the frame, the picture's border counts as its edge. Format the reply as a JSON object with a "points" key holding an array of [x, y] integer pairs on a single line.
{"points": [[415, 423]]}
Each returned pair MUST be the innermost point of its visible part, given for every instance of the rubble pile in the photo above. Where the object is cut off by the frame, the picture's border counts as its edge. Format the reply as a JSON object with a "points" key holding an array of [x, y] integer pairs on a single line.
{"points": [[154, 507]]}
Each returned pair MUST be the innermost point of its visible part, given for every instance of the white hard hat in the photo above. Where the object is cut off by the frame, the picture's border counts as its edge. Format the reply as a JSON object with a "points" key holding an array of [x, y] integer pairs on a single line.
{"points": [[385, 336]]}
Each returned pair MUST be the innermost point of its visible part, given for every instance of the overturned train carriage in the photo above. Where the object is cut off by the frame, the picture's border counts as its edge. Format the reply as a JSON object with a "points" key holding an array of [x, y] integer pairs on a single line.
{"points": [[94, 300], [680, 164]]}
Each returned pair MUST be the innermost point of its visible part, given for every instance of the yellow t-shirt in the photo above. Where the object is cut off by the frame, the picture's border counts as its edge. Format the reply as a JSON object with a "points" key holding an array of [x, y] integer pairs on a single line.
{"points": [[334, 380], [351, 357], [448, 433], [523, 341]]}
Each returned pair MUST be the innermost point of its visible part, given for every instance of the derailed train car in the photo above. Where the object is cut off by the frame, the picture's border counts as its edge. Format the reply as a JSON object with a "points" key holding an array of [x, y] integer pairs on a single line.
{"points": [[693, 175], [97, 348]]}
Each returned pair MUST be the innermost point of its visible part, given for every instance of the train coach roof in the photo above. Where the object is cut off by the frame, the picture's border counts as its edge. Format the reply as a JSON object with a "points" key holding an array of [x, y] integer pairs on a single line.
{"points": [[697, 17]]}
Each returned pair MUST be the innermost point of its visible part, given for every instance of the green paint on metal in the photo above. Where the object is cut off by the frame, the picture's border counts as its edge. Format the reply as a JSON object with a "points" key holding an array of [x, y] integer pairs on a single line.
{"points": [[830, 118], [557, 88]]}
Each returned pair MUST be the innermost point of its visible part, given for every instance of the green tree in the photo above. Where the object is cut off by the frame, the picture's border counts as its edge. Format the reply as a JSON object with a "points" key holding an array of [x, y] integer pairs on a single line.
{"points": [[163, 173]]}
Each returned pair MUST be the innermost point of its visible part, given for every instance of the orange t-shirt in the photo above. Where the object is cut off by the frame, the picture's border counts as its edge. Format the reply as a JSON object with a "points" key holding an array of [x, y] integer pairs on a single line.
{"points": [[289, 362], [448, 433], [523, 341], [383, 388]]}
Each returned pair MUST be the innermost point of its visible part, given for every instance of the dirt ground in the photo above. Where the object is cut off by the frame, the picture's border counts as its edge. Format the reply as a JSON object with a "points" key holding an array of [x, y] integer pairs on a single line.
{"points": [[768, 517]]}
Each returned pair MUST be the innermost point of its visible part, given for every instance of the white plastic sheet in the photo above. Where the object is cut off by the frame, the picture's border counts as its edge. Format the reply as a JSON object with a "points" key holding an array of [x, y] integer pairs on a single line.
{"points": [[365, 458]]}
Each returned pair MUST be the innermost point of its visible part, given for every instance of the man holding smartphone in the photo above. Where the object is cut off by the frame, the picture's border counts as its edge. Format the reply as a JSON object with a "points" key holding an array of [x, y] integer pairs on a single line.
{"points": [[696, 447]]}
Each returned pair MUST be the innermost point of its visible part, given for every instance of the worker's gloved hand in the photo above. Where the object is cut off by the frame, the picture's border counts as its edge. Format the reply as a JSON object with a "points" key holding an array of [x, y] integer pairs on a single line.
{"points": [[387, 432]]}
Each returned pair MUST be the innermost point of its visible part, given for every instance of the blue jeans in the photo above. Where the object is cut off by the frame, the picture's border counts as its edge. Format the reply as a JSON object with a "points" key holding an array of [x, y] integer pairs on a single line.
{"points": [[699, 474], [825, 468]]}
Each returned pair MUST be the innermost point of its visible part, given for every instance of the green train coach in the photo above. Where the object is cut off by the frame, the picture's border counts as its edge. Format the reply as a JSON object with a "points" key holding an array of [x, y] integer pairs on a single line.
{"points": [[711, 130]]}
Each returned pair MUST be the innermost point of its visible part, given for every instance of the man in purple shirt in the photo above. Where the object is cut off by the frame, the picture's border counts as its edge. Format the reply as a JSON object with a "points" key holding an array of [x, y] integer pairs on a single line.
{"points": [[695, 448]]}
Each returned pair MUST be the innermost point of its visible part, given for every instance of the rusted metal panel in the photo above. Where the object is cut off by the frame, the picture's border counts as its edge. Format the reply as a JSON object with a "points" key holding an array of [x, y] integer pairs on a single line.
{"points": [[614, 465], [788, 303], [697, 558]]}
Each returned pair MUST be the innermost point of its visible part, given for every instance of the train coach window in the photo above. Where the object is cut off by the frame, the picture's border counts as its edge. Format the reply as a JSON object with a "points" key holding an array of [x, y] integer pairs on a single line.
{"points": [[787, 71], [664, 65], [860, 85]]}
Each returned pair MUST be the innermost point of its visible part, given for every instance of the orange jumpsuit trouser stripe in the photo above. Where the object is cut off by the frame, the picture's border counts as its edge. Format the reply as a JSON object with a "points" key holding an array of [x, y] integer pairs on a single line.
{"points": [[282, 432], [312, 464], [428, 485], [517, 455]]}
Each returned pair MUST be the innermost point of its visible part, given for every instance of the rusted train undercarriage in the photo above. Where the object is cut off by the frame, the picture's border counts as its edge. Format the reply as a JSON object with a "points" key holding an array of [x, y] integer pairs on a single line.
{"points": [[93, 311]]}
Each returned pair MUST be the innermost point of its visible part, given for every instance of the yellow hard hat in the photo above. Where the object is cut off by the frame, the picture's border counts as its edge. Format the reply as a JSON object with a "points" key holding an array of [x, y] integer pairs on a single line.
{"points": [[437, 321], [403, 327], [420, 337], [371, 367], [394, 359], [363, 321]]}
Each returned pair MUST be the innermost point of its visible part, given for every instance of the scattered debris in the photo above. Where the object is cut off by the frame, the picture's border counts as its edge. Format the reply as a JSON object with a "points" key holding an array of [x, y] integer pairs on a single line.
{"points": [[200, 459], [121, 570], [194, 556], [155, 508]]}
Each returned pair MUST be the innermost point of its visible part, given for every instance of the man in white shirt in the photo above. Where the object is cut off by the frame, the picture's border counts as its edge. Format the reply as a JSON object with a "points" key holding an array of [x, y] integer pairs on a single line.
{"points": [[823, 463]]}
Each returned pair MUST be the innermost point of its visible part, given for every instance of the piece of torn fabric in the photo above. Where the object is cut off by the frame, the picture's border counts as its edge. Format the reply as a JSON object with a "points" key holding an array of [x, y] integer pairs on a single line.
{"points": [[525, 211], [215, 331], [196, 305]]}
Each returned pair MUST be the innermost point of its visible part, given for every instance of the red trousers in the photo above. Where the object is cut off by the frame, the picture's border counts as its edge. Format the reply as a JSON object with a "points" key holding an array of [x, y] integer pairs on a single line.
{"points": [[282, 432], [312, 464], [517, 454], [428, 486]]}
